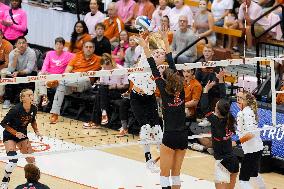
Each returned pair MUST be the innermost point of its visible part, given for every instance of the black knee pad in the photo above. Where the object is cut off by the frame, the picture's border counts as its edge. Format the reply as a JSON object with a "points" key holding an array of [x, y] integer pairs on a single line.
{"points": [[12, 153]]}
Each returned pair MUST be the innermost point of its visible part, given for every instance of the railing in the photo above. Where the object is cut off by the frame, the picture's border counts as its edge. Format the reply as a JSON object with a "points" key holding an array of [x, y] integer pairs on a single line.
{"points": [[259, 43], [189, 46]]}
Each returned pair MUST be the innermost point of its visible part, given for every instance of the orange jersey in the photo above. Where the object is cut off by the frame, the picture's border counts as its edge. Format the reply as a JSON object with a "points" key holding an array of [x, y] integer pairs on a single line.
{"points": [[79, 43], [5, 50], [193, 91], [81, 64], [280, 97], [113, 28]]}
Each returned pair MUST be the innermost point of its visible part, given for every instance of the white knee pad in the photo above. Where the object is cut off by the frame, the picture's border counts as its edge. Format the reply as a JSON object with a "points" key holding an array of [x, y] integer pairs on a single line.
{"points": [[176, 181], [245, 185], [145, 132], [157, 133], [222, 175], [11, 165]]}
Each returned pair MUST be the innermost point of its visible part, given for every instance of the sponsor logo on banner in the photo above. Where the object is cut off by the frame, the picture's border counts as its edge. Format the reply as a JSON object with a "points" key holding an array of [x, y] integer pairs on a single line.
{"points": [[208, 64], [8, 80]]}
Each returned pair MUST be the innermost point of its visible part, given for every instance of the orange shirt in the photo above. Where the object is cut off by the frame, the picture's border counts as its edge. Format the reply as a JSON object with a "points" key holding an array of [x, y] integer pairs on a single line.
{"points": [[192, 91], [148, 10], [280, 97], [113, 28], [5, 49], [81, 64], [79, 43]]}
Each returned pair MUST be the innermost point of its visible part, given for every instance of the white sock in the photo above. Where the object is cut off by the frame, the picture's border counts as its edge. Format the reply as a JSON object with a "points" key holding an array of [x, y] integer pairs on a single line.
{"points": [[245, 185], [259, 181], [176, 181], [147, 152], [164, 181]]}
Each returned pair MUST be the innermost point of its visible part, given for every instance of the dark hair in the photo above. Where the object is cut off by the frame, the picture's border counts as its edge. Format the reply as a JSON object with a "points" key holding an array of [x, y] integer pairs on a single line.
{"points": [[191, 70], [174, 82], [21, 37], [32, 173], [100, 25], [166, 16], [20, 3], [60, 40], [223, 107], [74, 34]]}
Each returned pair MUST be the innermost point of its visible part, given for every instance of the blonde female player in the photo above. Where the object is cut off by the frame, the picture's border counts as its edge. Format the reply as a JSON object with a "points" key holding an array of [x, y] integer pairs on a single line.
{"points": [[251, 142], [174, 142], [15, 134]]}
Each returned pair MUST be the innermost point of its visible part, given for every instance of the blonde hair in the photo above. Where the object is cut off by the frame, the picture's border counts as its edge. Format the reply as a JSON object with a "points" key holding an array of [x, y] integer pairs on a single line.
{"points": [[22, 94], [251, 102], [107, 59], [156, 41]]}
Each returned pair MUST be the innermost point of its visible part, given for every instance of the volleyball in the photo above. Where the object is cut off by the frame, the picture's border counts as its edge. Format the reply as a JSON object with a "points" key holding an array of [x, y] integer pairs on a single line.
{"points": [[142, 23]]}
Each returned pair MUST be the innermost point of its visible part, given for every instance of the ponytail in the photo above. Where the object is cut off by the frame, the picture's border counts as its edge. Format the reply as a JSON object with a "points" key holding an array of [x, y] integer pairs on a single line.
{"points": [[251, 102]]}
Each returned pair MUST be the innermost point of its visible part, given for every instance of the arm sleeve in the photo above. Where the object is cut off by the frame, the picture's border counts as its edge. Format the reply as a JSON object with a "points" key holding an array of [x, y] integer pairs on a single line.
{"points": [[31, 62], [222, 89], [9, 116], [170, 61], [45, 65], [22, 25], [204, 104], [197, 91], [153, 67]]}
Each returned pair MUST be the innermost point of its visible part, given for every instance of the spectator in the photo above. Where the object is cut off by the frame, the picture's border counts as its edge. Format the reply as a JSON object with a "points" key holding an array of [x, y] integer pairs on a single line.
{"points": [[5, 49], [253, 12], [79, 36], [280, 97], [82, 62], [143, 8], [102, 44], [94, 17], [165, 25], [203, 75], [193, 91], [14, 26], [118, 53], [179, 10], [182, 39], [204, 22], [125, 10], [230, 22], [161, 11], [32, 174], [113, 24], [111, 88], [3, 9], [55, 62], [130, 53], [22, 62], [220, 9]]}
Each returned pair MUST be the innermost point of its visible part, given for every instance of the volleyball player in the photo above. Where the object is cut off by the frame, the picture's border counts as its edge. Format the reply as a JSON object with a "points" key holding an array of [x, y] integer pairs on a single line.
{"points": [[15, 124], [222, 128], [174, 142], [251, 143]]}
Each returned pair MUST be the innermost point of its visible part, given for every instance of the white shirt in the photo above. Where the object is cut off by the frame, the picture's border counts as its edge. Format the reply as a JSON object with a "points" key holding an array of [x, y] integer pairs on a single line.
{"points": [[143, 81], [246, 122], [115, 79], [156, 18], [176, 13], [91, 21], [254, 11], [218, 8]]}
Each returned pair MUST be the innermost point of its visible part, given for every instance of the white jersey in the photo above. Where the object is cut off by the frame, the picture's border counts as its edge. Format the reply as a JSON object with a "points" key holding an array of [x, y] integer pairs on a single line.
{"points": [[246, 122], [143, 81]]}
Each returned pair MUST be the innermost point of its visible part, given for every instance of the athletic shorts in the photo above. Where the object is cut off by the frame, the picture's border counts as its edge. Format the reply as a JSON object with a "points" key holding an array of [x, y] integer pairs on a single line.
{"points": [[225, 167], [8, 136], [176, 140], [250, 166]]}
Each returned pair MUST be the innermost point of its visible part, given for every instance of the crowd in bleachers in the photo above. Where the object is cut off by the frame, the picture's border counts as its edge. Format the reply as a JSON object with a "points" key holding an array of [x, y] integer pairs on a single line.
{"points": [[107, 42]]}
